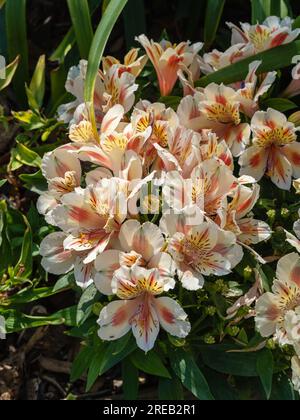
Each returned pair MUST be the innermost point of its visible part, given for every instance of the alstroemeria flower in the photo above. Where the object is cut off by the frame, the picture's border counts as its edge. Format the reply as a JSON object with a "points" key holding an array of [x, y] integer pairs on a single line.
{"points": [[199, 250], [63, 173], [218, 111], [272, 307], [140, 310], [273, 32], [132, 63], [58, 260], [93, 217], [75, 86], [210, 182], [296, 373], [168, 59], [141, 245], [293, 88], [233, 216], [253, 88], [182, 152], [217, 60], [274, 149]]}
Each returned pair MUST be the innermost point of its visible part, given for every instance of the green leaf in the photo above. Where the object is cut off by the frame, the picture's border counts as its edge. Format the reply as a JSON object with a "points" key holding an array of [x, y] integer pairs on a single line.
{"points": [[16, 321], [82, 25], [239, 364], [34, 182], [280, 104], [130, 376], [23, 268], [107, 358], [261, 9], [279, 8], [36, 90], [101, 37], [16, 32], [134, 15], [85, 305], [81, 363], [5, 248], [274, 59], [10, 71], [265, 369], [3, 182], [214, 11], [149, 363], [283, 389], [190, 375], [22, 155], [69, 40], [170, 389]]}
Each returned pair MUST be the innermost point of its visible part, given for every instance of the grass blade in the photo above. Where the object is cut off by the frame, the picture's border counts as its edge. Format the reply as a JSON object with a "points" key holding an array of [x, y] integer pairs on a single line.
{"points": [[82, 25], [274, 59], [102, 34], [36, 89], [260, 10], [16, 31], [134, 20], [214, 11]]}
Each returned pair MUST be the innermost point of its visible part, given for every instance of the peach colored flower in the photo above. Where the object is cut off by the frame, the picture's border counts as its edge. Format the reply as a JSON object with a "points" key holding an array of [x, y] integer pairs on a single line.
{"points": [[168, 59], [272, 307], [140, 310], [133, 64], [140, 245], [274, 150]]}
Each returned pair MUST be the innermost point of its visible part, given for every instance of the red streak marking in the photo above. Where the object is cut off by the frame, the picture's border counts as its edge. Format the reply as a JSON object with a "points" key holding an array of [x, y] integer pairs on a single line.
{"points": [[119, 317], [295, 275], [167, 316], [279, 39], [255, 161]]}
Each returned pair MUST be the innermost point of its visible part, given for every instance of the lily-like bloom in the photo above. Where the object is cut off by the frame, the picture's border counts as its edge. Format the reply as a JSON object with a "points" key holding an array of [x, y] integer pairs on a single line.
{"points": [[140, 245], [220, 111], [58, 260], [199, 250], [273, 32], [167, 59], [133, 64], [293, 88], [62, 170], [93, 217], [140, 310], [253, 88], [217, 60], [273, 307], [296, 373], [210, 182], [234, 216], [274, 151]]}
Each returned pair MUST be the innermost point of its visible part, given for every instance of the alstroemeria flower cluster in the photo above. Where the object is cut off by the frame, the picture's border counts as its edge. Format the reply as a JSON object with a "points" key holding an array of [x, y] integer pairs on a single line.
{"points": [[149, 200]]}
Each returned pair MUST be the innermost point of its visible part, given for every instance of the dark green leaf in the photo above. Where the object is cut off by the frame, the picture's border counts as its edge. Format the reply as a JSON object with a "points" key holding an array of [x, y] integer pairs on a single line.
{"points": [[213, 16], [149, 363], [130, 376], [190, 375], [82, 25], [218, 358], [281, 104], [265, 369], [16, 32], [85, 305], [81, 363], [274, 59], [10, 71], [170, 389]]}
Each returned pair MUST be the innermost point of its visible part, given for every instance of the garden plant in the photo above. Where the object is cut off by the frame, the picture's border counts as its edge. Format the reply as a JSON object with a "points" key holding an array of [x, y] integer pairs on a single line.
{"points": [[149, 203]]}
